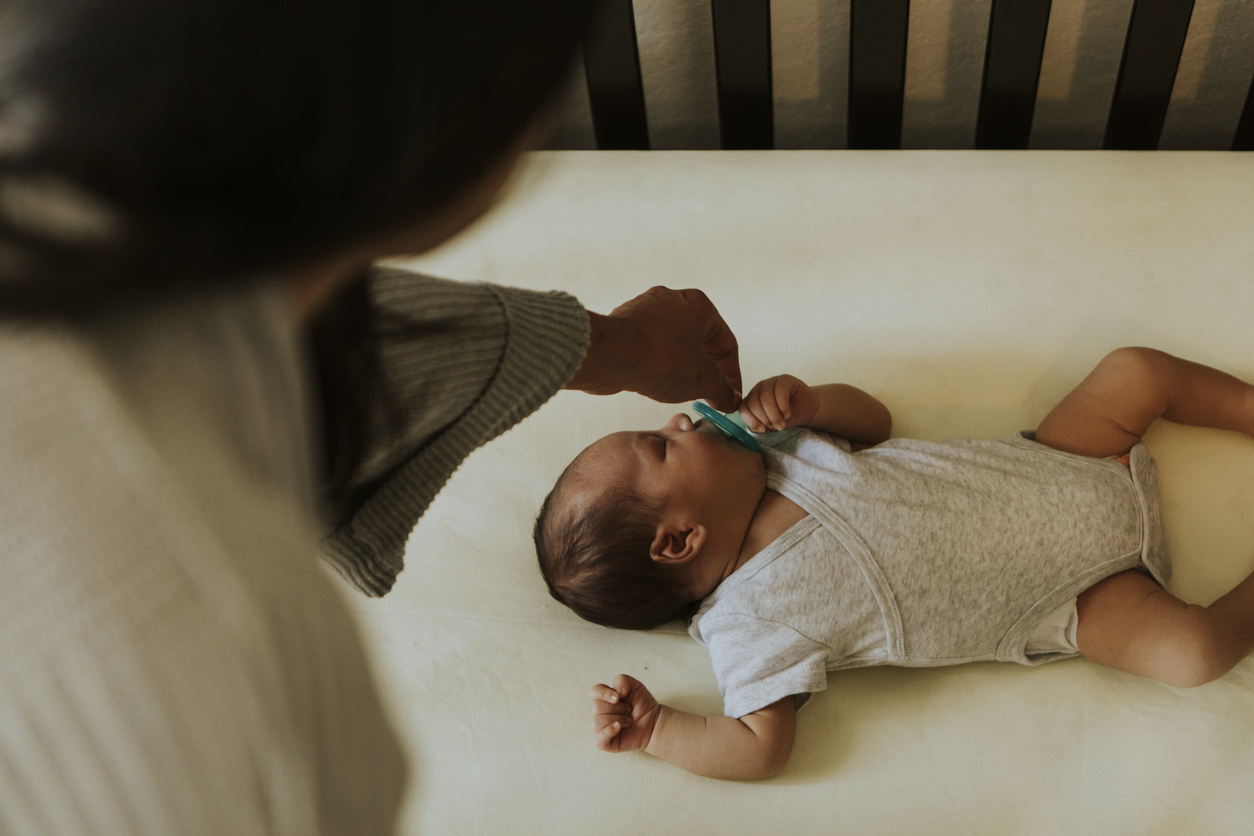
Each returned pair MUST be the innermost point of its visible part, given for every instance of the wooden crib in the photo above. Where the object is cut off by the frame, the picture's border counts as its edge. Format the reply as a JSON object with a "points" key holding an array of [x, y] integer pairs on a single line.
{"points": [[730, 43]]}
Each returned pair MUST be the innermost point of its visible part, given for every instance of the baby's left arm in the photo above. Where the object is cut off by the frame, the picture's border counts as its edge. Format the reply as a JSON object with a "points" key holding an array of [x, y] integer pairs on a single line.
{"points": [[783, 401], [627, 717]]}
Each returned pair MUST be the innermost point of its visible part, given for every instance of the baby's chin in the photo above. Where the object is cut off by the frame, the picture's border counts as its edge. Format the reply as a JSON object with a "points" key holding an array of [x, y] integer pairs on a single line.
{"points": [[755, 463]]}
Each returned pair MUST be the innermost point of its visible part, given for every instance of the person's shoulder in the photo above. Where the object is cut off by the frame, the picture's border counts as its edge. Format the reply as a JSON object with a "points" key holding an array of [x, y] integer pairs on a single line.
{"points": [[78, 559], [100, 532]]}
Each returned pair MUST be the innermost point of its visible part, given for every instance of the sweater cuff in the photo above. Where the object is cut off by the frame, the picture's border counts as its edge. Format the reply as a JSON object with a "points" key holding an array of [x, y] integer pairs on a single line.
{"points": [[546, 340]]}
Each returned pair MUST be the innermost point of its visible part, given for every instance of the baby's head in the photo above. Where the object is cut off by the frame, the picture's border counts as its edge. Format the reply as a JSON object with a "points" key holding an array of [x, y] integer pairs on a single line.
{"points": [[642, 525]]}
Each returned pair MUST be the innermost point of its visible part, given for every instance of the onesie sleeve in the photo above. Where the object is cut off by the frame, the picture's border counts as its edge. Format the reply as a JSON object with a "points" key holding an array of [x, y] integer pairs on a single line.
{"points": [[482, 358], [758, 662]]}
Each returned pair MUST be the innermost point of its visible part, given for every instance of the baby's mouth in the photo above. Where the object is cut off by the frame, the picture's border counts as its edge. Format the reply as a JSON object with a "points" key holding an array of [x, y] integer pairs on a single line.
{"points": [[702, 425]]}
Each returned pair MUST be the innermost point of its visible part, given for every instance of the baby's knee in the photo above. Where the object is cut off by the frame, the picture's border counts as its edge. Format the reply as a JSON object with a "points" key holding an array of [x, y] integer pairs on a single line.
{"points": [[1198, 651], [1136, 362]]}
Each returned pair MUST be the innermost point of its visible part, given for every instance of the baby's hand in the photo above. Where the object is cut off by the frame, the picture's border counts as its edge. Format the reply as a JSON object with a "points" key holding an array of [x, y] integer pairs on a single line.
{"points": [[778, 403], [623, 716]]}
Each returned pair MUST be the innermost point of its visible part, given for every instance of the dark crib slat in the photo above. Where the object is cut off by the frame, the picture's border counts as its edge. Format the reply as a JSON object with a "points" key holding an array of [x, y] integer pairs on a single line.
{"points": [[615, 89], [742, 61], [1012, 68], [1151, 56], [877, 71], [1244, 139]]}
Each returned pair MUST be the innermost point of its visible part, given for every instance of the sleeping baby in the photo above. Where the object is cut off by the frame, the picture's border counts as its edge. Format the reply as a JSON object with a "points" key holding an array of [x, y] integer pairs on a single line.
{"points": [[835, 547]]}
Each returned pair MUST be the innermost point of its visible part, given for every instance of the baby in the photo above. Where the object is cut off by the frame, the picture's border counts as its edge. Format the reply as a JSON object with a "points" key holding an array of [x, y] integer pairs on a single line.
{"points": [[836, 548]]}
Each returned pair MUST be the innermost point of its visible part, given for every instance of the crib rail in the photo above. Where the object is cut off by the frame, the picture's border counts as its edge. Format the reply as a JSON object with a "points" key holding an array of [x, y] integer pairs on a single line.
{"points": [[878, 34]]}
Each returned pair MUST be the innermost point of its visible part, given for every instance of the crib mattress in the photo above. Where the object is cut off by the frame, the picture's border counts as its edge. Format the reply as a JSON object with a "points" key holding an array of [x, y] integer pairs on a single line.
{"points": [[969, 291]]}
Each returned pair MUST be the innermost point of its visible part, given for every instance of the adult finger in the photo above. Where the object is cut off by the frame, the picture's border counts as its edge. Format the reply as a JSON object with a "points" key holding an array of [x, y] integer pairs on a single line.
{"points": [[721, 347], [717, 389], [717, 366]]}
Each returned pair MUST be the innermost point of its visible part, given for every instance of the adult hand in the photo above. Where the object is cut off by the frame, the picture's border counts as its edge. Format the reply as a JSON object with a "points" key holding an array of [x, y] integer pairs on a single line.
{"points": [[668, 345]]}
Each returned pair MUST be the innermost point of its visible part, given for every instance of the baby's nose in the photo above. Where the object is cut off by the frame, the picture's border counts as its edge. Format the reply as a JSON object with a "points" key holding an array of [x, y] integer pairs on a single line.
{"points": [[680, 422]]}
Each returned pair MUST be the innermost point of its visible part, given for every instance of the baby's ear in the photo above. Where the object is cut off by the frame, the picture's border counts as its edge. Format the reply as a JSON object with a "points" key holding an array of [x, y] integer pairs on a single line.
{"points": [[677, 545]]}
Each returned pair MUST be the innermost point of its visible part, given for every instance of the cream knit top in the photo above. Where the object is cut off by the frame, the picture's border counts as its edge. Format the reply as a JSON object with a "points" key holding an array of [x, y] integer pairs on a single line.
{"points": [[173, 657]]}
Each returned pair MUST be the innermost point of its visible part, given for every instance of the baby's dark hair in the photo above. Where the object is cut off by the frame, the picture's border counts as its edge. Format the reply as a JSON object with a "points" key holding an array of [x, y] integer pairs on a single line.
{"points": [[596, 560]]}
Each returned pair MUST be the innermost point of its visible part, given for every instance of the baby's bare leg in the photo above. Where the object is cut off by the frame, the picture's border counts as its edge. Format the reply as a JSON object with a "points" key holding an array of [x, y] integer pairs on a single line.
{"points": [[1113, 407], [1128, 621]]}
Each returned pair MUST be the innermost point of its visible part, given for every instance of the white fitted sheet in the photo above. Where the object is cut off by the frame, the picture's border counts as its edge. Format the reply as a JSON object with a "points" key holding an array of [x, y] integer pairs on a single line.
{"points": [[967, 290]]}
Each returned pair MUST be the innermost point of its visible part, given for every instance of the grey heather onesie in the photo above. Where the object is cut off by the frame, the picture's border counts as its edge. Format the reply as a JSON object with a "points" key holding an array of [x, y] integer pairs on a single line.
{"points": [[921, 553]]}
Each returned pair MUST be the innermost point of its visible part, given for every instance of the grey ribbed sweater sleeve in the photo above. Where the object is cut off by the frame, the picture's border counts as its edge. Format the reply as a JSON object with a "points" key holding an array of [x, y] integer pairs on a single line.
{"points": [[492, 356]]}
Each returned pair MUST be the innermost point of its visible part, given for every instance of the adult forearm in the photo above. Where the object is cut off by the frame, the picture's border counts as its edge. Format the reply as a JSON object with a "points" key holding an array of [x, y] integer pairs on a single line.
{"points": [[716, 747]]}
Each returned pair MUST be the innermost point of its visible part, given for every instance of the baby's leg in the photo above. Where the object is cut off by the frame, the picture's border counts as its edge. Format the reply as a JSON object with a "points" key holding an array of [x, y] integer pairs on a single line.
{"points": [[1113, 407], [1128, 621]]}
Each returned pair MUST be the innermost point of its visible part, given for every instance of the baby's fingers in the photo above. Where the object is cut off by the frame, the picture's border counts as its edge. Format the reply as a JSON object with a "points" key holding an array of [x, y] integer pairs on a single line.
{"points": [[768, 408], [606, 702], [617, 711], [752, 411], [784, 388], [604, 737], [604, 692], [625, 686]]}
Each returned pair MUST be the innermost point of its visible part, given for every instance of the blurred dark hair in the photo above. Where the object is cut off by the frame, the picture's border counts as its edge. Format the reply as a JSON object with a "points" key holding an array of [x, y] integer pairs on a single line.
{"points": [[597, 562], [156, 147]]}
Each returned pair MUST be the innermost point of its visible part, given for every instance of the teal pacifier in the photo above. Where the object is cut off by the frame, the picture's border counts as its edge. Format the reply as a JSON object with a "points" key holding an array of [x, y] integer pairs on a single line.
{"points": [[730, 424]]}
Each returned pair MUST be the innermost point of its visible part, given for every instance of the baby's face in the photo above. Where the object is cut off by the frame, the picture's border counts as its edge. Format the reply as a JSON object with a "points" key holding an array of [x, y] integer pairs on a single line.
{"points": [[692, 467]]}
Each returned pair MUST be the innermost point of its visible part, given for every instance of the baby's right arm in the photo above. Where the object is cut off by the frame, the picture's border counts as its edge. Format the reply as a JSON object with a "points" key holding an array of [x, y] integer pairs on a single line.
{"points": [[627, 717], [780, 402]]}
